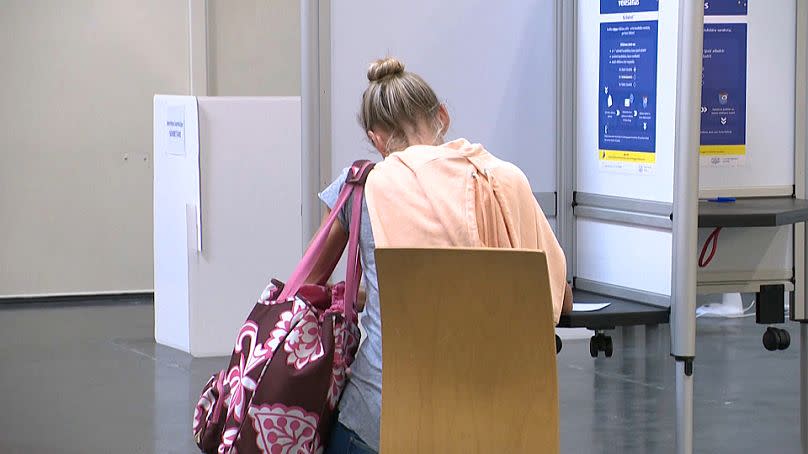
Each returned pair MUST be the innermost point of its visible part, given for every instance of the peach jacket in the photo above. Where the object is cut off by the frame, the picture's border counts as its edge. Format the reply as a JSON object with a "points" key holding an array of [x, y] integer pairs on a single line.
{"points": [[460, 195]]}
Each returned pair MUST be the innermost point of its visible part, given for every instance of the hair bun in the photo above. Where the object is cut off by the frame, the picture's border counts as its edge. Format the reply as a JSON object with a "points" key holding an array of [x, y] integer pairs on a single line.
{"points": [[385, 67]]}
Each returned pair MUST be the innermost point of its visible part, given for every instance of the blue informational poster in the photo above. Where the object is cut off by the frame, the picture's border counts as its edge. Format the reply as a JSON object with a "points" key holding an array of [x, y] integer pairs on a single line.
{"points": [[628, 91], [725, 7], [628, 6], [723, 93]]}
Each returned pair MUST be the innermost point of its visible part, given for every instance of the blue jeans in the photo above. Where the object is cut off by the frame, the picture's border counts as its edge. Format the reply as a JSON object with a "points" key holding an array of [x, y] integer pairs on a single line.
{"points": [[346, 441]]}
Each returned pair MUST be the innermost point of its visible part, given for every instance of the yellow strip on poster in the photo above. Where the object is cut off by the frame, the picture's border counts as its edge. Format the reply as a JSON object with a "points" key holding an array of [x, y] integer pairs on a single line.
{"points": [[723, 150], [637, 157]]}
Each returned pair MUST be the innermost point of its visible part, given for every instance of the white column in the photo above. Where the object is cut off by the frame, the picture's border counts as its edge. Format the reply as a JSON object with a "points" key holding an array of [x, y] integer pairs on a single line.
{"points": [[310, 113], [198, 47]]}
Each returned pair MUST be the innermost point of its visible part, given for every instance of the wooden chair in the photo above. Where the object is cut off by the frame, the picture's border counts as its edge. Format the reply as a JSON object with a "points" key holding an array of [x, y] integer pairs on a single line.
{"points": [[469, 360]]}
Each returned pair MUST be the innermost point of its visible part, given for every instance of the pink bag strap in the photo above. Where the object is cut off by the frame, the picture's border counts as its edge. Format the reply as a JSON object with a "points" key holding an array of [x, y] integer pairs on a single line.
{"points": [[354, 185], [357, 177], [354, 266]]}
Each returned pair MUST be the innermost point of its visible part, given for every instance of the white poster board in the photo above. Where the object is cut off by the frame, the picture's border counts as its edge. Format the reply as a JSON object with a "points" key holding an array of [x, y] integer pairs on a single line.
{"points": [[591, 177], [768, 168]]}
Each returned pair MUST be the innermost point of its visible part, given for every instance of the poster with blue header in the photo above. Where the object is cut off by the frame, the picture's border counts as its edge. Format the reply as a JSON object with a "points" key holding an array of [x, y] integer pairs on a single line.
{"points": [[628, 93], [723, 95], [726, 7]]}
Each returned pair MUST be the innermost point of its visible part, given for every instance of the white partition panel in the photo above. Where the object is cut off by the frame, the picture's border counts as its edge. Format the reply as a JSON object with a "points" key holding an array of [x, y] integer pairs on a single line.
{"points": [[249, 170], [625, 256], [769, 166], [751, 254], [493, 63]]}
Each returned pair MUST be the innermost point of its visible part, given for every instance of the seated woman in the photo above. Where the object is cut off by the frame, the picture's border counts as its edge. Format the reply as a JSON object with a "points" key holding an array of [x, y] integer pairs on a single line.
{"points": [[425, 193]]}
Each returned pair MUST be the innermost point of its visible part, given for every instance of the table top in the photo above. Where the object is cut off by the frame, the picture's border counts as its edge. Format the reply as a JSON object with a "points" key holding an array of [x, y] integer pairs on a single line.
{"points": [[755, 212], [619, 313]]}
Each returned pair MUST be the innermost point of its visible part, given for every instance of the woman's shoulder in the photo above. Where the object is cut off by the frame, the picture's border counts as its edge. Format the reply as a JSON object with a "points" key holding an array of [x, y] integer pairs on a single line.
{"points": [[330, 194], [506, 171]]}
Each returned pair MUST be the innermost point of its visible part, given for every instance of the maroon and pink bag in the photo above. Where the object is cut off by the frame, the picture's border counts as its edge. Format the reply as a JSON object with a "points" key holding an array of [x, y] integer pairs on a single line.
{"points": [[292, 356]]}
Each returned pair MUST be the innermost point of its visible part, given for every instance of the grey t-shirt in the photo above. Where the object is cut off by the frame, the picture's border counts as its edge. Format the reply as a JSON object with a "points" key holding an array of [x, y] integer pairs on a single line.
{"points": [[361, 404]]}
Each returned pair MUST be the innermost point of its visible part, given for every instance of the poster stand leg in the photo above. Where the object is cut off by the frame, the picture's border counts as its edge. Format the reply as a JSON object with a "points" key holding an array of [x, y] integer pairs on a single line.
{"points": [[804, 386], [685, 215], [684, 407]]}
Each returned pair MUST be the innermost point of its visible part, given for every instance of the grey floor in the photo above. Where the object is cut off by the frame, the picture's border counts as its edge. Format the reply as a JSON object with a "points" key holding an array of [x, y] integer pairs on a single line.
{"points": [[90, 379]]}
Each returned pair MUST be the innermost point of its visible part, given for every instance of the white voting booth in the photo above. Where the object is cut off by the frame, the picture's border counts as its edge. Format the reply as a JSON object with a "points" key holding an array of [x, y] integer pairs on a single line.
{"points": [[517, 122], [630, 206], [635, 218], [227, 198], [612, 142]]}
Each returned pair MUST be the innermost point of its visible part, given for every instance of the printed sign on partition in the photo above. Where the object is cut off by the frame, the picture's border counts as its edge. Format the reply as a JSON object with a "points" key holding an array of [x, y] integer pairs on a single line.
{"points": [[628, 6], [628, 95], [726, 7], [175, 130], [723, 95]]}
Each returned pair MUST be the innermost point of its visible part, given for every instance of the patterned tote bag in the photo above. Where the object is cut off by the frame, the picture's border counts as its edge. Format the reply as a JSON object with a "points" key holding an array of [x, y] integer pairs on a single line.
{"points": [[290, 362]]}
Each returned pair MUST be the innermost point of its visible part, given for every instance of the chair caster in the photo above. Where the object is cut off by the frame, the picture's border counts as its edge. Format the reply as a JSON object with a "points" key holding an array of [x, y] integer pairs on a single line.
{"points": [[559, 344], [776, 339], [601, 343], [785, 339]]}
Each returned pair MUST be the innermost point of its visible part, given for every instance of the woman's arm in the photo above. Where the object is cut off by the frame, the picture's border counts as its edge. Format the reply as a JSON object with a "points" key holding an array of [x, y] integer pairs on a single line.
{"points": [[360, 299], [334, 245], [566, 308]]}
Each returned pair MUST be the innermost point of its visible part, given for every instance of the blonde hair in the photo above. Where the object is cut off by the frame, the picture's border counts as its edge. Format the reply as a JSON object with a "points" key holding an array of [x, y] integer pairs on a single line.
{"points": [[400, 103]]}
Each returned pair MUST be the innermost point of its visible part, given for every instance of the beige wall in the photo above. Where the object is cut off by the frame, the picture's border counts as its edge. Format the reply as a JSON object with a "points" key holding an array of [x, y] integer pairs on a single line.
{"points": [[75, 152], [254, 47]]}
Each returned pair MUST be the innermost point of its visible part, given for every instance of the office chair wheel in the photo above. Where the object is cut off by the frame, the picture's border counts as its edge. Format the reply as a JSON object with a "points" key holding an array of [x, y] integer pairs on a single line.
{"points": [[771, 339], [593, 347], [600, 343], [785, 340], [776, 339], [559, 344]]}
